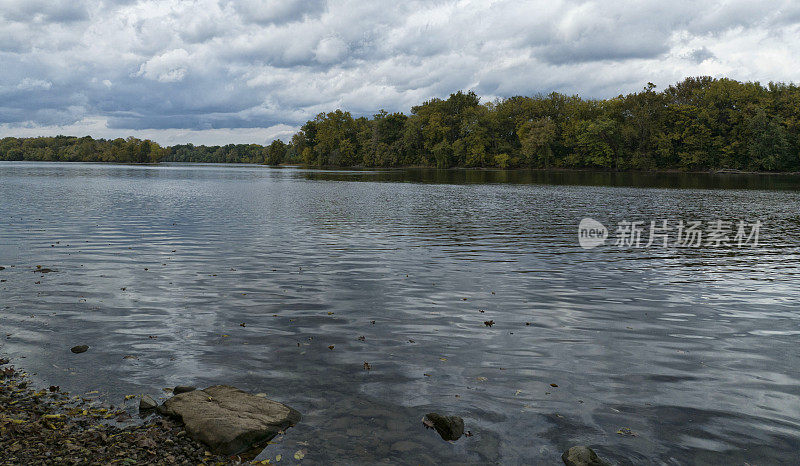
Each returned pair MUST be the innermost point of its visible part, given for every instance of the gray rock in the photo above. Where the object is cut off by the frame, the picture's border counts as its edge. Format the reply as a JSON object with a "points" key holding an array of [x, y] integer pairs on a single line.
{"points": [[582, 456], [79, 349], [183, 389], [449, 427], [146, 403], [229, 420]]}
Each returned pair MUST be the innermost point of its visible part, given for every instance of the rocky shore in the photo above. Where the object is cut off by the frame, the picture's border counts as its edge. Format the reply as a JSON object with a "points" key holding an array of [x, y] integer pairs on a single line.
{"points": [[218, 425], [51, 427]]}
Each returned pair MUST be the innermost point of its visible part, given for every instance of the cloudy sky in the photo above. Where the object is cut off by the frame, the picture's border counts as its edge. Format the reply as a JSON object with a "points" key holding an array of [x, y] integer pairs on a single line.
{"points": [[220, 71]]}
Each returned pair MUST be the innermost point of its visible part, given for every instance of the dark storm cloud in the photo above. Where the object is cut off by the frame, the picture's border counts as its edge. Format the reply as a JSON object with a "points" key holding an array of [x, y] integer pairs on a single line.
{"points": [[228, 67]]}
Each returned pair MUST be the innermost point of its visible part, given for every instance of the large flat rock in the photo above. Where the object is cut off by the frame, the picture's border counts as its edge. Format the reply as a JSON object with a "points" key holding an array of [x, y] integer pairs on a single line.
{"points": [[229, 420]]}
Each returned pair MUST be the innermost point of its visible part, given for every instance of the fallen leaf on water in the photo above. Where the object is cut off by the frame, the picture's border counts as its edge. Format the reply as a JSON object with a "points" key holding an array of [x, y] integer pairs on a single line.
{"points": [[482, 379], [442, 359], [300, 454], [278, 458], [130, 397], [330, 313], [626, 431], [517, 392]]}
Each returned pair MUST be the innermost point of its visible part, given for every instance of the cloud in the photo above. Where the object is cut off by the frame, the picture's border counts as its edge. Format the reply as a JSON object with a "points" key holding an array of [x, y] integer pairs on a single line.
{"points": [[169, 67], [28, 84], [46, 11], [700, 55], [277, 11], [330, 50], [217, 67]]}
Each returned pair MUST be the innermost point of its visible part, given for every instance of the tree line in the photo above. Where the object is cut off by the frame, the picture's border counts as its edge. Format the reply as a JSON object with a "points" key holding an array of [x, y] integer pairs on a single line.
{"points": [[85, 149], [700, 123]]}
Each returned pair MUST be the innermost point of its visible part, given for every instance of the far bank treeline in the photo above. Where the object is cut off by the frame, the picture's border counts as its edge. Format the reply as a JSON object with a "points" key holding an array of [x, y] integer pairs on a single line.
{"points": [[698, 124]]}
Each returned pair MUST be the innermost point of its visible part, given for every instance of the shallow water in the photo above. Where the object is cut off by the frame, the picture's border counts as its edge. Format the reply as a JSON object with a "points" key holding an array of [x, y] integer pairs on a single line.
{"points": [[695, 350]]}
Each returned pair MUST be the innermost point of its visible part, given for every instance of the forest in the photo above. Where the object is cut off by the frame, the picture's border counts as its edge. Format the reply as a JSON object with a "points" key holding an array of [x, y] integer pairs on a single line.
{"points": [[85, 149], [701, 123]]}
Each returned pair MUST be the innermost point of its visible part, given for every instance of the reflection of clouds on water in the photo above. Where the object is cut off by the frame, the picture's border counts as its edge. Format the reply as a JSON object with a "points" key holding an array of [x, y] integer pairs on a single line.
{"points": [[309, 259]]}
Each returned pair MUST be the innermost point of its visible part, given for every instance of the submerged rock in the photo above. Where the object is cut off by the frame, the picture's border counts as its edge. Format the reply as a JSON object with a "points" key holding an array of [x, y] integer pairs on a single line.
{"points": [[79, 349], [146, 403], [183, 389], [229, 420], [449, 427], [582, 456]]}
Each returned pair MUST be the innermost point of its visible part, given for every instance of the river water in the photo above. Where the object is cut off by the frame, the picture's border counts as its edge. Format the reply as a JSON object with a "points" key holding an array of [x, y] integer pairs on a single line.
{"points": [[695, 350]]}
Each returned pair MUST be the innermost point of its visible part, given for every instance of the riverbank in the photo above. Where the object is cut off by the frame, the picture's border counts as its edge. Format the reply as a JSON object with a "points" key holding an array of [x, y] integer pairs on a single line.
{"points": [[340, 168], [48, 426]]}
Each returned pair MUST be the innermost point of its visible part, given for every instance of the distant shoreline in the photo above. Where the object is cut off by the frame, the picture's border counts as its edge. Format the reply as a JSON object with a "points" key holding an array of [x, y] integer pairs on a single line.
{"points": [[674, 171]]}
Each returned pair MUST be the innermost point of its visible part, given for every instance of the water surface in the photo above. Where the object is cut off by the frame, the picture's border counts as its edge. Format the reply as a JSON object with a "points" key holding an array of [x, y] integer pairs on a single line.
{"points": [[695, 350]]}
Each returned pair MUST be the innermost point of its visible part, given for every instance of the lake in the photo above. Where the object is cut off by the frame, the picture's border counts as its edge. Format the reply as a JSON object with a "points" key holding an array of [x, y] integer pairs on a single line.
{"points": [[287, 281]]}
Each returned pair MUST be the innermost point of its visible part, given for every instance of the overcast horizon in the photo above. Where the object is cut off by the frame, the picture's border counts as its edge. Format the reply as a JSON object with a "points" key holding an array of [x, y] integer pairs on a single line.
{"points": [[223, 71]]}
